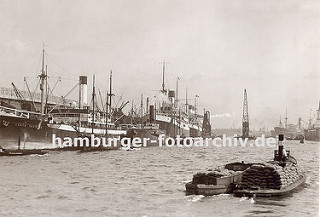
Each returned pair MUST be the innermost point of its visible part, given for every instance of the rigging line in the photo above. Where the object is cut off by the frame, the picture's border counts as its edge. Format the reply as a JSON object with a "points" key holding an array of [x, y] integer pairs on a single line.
{"points": [[121, 96], [47, 97], [99, 84], [95, 104], [34, 78], [55, 85], [63, 97], [64, 78], [101, 99], [34, 92], [34, 106], [36, 61], [117, 103], [50, 91], [114, 101], [49, 57], [71, 90]]}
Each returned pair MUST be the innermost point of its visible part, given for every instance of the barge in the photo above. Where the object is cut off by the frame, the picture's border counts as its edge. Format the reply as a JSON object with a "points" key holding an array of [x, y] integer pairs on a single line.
{"points": [[278, 177]]}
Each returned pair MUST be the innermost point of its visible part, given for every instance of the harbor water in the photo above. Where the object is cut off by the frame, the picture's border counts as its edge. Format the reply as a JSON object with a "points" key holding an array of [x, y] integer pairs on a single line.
{"points": [[146, 182]]}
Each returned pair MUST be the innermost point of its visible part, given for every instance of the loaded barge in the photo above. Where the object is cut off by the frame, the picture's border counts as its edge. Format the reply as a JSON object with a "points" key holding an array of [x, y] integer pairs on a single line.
{"points": [[274, 178]]}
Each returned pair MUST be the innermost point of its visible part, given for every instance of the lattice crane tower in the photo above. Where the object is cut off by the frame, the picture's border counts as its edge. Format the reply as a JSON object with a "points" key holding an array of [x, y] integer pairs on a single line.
{"points": [[245, 117]]}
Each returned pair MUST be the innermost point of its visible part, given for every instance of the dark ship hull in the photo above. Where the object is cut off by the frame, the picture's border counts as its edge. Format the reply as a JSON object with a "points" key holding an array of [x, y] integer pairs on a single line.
{"points": [[173, 130], [289, 134], [194, 132], [313, 132], [312, 135], [13, 128]]}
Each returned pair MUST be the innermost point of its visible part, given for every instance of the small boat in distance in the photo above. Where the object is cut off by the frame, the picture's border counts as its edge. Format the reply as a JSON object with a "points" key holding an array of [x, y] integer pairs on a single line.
{"points": [[19, 152]]}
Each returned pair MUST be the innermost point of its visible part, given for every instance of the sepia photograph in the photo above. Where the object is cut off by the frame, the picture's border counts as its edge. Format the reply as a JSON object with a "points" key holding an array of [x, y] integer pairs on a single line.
{"points": [[159, 108]]}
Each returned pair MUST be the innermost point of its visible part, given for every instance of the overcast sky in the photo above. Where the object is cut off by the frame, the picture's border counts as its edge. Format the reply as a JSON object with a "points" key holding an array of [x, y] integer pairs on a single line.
{"points": [[217, 48]]}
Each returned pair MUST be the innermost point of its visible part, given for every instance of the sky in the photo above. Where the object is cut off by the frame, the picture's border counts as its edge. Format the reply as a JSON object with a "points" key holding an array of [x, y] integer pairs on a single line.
{"points": [[217, 48]]}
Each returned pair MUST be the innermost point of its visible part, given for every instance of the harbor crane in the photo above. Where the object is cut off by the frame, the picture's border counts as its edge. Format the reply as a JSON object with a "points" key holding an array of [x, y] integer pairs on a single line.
{"points": [[17, 92], [245, 117]]}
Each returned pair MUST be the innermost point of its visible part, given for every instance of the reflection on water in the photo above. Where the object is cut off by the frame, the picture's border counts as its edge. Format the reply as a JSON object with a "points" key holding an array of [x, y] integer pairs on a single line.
{"points": [[148, 182]]}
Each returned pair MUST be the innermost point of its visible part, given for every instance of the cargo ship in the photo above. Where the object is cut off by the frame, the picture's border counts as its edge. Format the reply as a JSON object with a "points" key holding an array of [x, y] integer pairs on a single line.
{"points": [[36, 117], [177, 118], [61, 120], [312, 133], [290, 131]]}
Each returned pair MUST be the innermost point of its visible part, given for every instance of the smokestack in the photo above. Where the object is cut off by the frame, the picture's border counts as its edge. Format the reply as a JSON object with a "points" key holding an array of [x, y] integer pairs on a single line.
{"points": [[151, 114], [280, 144], [83, 91], [147, 106], [172, 96]]}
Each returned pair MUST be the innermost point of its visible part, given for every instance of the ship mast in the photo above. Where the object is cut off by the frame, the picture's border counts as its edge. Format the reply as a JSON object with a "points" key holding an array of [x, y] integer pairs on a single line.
{"points": [[195, 106], [280, 123], [107, 115], [42, 84], [179, 129], [110, 93], [177, 92], [131, 112], [186, 100], [163, 69], [93, 96], [46, 103], [286, 118], [310, 119], [141, 110], [163, 90], [318, 112]]}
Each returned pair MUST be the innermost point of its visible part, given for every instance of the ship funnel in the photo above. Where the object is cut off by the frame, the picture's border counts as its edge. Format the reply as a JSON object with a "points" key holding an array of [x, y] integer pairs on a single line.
{"points": [[279, 156], [206, 126], [318, 112], [83, 91], [171, 96], [152, 114]]}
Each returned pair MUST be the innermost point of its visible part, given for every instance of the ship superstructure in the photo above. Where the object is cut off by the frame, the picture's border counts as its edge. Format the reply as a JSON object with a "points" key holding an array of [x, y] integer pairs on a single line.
{"points": [[313, 131], [290, 131], [176, 117]]}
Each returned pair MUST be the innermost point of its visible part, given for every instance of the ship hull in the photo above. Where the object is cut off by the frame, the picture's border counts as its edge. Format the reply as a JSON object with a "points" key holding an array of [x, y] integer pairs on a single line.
{"points": [[15, 130], [148, 137], [173, 130], [194, 132], [289, 134], [312, 135]]}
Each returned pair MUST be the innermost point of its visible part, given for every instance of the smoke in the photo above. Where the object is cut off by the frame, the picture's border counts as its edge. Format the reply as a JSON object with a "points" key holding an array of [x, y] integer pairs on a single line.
{"points": [[159, 98], [222, 116]]}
